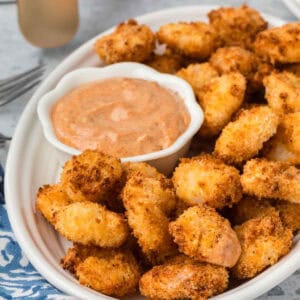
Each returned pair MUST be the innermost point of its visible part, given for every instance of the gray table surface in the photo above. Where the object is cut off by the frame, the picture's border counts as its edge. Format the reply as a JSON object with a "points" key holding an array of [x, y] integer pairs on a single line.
{"points": [[17, 55]]}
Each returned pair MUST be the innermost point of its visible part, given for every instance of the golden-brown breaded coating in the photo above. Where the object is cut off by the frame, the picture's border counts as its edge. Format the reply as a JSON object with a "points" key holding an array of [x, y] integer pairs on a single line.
{"points": [[285, 145], [129, 42], [140, 168], [264, 241], [279, 44], [263, 70], [283, 92], [195, 39], [232, 59], [113, 272], [50, 199], [165, 63], [220, 98], [249, 208], [271, 179], [292, 68], [289, 214], [206, 236], [148, 203], [197, 75], [91, 223], [243, 138], [91, 176], [207, 180], [237, 26], [183, 278]]}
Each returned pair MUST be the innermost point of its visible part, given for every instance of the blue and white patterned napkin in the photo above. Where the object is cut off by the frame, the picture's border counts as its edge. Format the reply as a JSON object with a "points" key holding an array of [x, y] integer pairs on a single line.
{"points": [[18, 278]]}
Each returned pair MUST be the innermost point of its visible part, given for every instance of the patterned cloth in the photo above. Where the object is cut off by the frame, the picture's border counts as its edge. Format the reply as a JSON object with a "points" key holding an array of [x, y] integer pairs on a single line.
{"points": [[18, 278]]}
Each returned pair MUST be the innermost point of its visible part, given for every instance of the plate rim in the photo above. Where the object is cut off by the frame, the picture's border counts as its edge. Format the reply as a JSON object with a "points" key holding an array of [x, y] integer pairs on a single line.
{"points": [[15, 153]]}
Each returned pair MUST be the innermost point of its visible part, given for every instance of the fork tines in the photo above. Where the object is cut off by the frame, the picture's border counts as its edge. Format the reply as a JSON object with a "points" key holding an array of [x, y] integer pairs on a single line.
{"points": [[15, 86]]}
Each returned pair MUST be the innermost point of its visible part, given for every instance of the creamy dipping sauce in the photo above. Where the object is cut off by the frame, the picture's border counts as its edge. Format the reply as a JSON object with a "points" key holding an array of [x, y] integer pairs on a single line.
{"points": [[120, 116]]}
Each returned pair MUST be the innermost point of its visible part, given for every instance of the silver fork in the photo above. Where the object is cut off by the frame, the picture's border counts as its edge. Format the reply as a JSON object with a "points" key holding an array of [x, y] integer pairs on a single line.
{"points": [[3, 139], [13, 87]]}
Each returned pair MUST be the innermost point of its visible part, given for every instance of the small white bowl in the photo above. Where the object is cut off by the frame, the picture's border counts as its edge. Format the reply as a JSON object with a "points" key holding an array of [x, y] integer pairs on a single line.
{"points": [[164, 160]]}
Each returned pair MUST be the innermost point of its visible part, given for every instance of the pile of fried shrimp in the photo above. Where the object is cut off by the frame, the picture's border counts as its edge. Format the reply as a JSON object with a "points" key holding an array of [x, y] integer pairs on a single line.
{"points": [[231, 208]]}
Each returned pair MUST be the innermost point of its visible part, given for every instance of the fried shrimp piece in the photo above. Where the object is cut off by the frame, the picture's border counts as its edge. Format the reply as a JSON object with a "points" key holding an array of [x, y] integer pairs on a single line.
{"points": [[140, 168], [279, 44], [183, 278], [148, 203], [232, 59], [91, 176], [237, 26], [197, 75], [207, 180], [206, 236], [195, 39], [283, 92], [289, 214], [109, 271], [270, 179], [264, 241], [285, 145], [220, 98], [50, 199], [91, 223], [129, 42], [166, 63], [249, 208], [242, 139]]}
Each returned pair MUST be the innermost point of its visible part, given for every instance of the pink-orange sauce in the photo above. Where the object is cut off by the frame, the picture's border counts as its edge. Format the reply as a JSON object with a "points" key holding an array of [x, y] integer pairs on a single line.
{"points": [[120, 116]]}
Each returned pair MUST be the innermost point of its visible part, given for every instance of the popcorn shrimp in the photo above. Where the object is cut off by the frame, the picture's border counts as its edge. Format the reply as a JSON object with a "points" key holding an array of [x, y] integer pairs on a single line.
{"points": [[129, 42], [183, 278], [91, 224], [264, 241], [207, 180], [270, 179], [195, 39], [243, 138], [204, 235]]}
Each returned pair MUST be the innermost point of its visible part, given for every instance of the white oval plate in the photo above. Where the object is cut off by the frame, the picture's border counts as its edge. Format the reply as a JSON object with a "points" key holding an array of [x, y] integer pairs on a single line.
{"points": [[32, 162]]}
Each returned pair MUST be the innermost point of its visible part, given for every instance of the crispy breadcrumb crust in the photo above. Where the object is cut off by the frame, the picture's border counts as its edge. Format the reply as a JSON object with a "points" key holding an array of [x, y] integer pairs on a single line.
{"points": [[91, 176], [91, 223], [129, 42], [183, 278], [207, 180], [206, 236], [285, 145], [234, 59], [131, 169], [280, 44], [237, 26], [249, 208], [165, 63], [264, 241], [195, 39], [289, 214], [50, 199], [243, 138], [270, 179], [197, 75], [148, 203], [113, 272], [283, 92], [220, 98]]}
